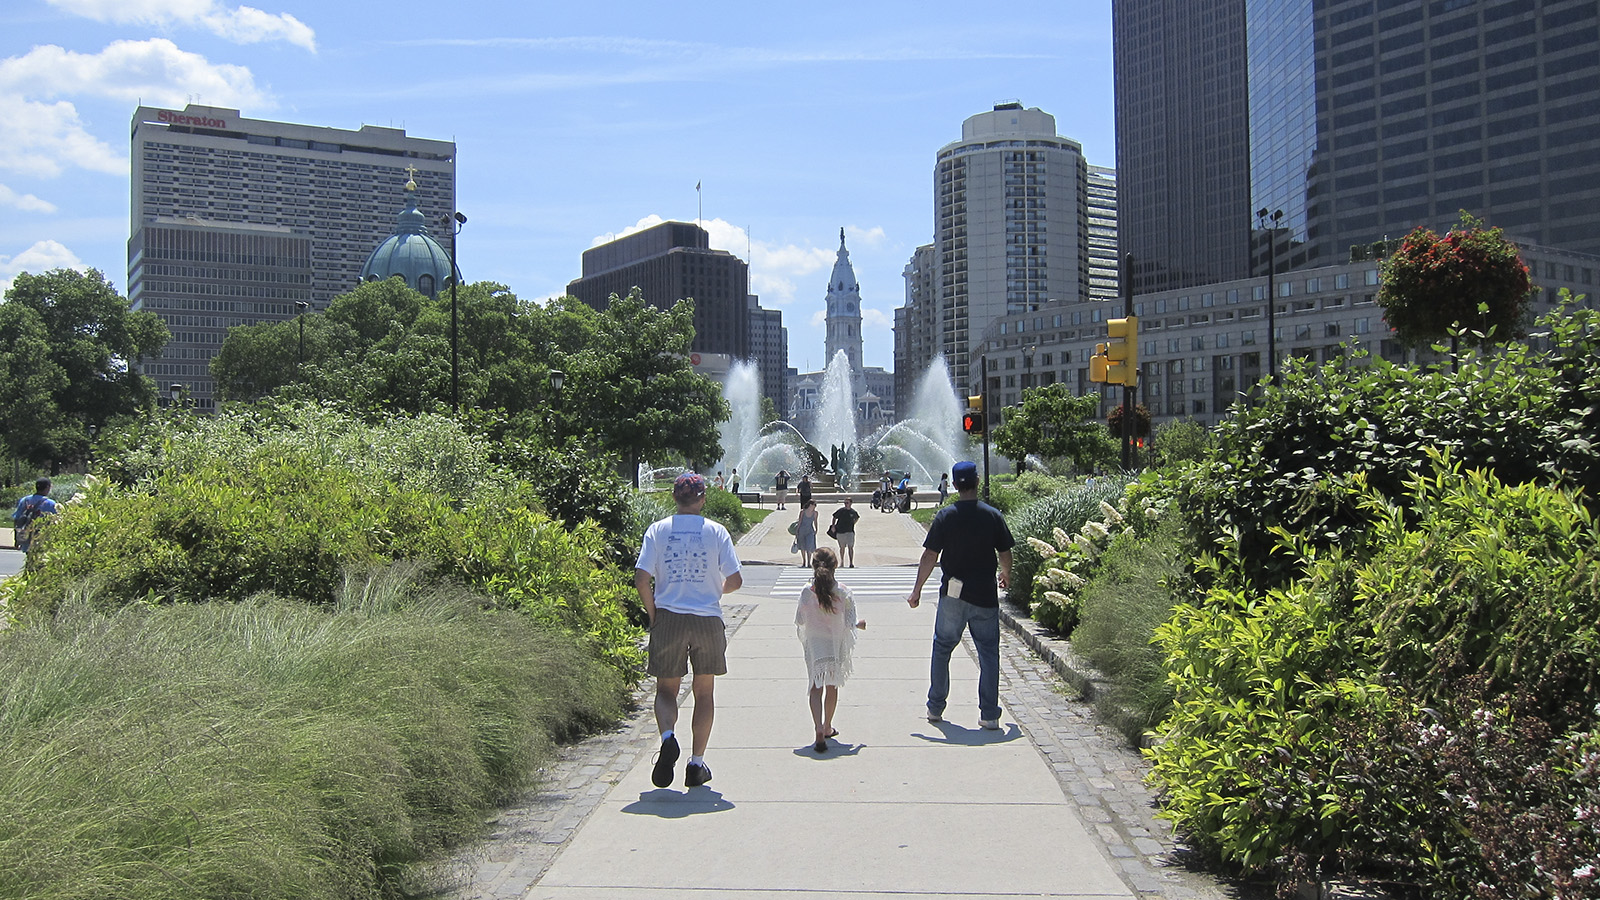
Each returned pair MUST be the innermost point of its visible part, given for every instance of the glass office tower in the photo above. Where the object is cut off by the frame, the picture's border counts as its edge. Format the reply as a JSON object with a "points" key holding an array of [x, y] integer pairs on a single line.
{"points": [[1359, 119]]}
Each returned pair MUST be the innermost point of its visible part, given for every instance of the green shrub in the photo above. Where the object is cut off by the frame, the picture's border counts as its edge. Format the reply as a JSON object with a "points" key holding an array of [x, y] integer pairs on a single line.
{"points": [[726, 508], [1290, 460], [430, 453], [270, 749], [579, 488], [1068, 510], [1288, 747], [1129, 596], [291, 526]]}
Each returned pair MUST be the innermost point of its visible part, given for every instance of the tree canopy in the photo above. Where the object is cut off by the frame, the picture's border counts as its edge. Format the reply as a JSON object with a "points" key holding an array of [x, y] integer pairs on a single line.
{"points": [[68, 344], [1473, 279], [630, 386], [1052, 423]]}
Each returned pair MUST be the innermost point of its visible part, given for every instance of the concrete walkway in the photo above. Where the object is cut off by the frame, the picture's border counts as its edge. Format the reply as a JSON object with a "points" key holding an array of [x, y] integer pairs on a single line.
{"points": [[1047, 807], [896, 807]]}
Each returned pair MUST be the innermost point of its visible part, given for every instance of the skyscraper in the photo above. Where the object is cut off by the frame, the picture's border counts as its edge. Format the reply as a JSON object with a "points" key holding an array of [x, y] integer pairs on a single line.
{"points": [[233, 220], [1010, 222], [670, 262], [1358, 120]]}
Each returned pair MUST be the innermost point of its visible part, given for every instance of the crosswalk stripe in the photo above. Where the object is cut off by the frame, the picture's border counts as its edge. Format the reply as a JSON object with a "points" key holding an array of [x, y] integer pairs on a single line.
{"points": [[865, 582]]}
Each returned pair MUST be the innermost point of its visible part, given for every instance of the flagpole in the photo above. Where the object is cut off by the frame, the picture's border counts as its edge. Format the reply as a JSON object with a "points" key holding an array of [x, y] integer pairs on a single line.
{"points": [[700, 212]]}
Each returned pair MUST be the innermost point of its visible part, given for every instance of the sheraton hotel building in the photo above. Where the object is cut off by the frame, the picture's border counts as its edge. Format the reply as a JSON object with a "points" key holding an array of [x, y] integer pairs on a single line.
{"points": [[238, 221]]}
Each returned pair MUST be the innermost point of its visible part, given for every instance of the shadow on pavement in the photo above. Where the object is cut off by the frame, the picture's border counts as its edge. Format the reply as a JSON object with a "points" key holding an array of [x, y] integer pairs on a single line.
{"points": [[834, 749], [970, 737], [664, 803]]}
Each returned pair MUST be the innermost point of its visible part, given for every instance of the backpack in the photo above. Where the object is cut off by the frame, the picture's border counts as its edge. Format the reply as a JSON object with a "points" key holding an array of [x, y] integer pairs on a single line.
{"points": [[24, 520]]}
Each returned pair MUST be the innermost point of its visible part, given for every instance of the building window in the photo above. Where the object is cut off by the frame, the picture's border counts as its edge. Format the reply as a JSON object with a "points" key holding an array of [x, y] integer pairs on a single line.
{"points": [[1371, 276], [1330, 329], [1222, 340], [1259, 292], [1313, 285], [1341, 281], [1247, 337], [1362, 326]]}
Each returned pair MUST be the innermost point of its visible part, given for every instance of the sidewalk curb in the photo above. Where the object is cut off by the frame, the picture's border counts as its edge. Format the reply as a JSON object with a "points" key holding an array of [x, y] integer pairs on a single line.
{"points": [[1072, 668]]}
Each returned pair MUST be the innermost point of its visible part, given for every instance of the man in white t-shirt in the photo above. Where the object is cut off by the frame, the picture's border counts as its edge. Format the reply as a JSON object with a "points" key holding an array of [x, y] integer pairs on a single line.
{"points": [[686, 563]]}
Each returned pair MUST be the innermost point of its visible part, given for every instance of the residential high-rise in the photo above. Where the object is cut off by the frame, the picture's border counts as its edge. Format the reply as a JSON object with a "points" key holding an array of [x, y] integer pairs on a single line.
{"points": [[670, 262], [1104, 274], [1010, 223], [1358, 120], [916, 332], [233, 220]]}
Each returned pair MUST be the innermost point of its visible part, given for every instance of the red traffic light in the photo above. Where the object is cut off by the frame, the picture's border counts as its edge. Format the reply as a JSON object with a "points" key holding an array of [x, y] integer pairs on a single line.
{"points": [[972, 423]]}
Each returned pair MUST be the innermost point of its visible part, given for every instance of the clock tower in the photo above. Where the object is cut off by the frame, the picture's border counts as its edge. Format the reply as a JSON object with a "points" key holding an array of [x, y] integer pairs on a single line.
{"points": [[844, 315]]}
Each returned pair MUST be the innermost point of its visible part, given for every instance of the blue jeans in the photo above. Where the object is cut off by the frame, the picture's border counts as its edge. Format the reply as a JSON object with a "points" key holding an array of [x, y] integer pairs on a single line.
{"points": [[983, 622]]}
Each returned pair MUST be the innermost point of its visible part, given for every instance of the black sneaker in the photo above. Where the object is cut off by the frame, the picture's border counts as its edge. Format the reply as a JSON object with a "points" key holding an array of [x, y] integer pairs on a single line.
{"points": [[666, 758], [696, 774]]}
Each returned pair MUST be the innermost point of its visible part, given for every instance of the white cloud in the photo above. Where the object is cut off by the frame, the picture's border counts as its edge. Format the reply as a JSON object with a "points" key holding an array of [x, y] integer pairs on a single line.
{"points": [[38, 259], [24, 202], [45, 138], [241, 25], [153, 71], [871, 318]]}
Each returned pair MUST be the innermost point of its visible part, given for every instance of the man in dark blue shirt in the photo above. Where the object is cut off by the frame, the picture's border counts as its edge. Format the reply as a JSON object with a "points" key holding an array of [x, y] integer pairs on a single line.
{"points": [[969, 540]]}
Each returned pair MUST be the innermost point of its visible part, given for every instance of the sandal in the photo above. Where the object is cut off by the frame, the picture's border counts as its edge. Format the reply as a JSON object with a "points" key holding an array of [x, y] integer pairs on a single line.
{"points": [[821, 746]]}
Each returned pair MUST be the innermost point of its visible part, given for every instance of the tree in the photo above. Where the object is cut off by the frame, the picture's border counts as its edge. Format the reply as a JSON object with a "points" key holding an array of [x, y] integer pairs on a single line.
{"points": [[1053, 423], [630, 381], [68, 347], [1471, 280], [630, 385], [1179, 441]]}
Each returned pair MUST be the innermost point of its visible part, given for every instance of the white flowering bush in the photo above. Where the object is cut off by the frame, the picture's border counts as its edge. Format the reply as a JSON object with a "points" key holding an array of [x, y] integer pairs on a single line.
{"points": [[1069, 560]]}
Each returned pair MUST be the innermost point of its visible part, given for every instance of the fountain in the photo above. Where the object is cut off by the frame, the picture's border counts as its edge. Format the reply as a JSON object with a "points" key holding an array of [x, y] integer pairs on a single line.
{"points": [[923, 445]]}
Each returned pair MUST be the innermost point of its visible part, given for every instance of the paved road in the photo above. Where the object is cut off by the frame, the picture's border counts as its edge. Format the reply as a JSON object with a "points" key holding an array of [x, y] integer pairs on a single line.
{"points": [[1050, 806]]}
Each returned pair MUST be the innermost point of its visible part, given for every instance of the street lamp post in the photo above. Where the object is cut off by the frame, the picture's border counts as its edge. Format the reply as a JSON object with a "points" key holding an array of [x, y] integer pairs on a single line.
{"points": [[557, 379], [455, 324], [175, 391], [1272, 299], [300, 316]]}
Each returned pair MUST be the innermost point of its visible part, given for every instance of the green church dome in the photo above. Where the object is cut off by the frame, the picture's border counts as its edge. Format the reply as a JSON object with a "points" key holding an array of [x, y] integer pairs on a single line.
{"points": [[411, 252]]}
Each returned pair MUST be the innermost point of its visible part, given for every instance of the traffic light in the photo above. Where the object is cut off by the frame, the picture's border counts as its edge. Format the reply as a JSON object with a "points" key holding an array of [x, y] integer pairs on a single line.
{"points": [[1122, 352], [972, 422], [1099, 363]]}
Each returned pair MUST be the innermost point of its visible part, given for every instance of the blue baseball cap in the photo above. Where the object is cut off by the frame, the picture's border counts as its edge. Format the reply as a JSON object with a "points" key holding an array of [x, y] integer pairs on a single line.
{"points": [[964, 474]]}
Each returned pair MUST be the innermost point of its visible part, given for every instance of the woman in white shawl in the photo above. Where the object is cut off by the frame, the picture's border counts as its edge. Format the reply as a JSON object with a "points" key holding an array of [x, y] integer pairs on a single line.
{"points": [[826, 622]]}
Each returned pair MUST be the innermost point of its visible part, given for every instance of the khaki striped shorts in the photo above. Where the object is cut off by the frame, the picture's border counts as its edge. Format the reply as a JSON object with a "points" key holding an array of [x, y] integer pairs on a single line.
{"points": [[678, 639]]}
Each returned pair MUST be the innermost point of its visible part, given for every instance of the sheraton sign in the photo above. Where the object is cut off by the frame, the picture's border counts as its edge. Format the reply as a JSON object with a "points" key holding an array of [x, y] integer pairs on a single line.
{"points": [[174, 118]]}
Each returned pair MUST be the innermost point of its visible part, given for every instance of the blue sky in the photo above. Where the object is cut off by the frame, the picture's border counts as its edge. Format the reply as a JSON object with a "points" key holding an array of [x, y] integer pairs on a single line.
{"points": [[573, 122]]}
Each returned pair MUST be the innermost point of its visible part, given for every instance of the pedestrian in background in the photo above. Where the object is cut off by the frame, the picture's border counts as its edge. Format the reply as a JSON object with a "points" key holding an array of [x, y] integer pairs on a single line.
{"points": [[781, 485], [844, 531], [805, 532], [30, 512]]}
